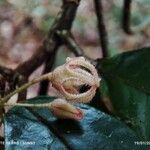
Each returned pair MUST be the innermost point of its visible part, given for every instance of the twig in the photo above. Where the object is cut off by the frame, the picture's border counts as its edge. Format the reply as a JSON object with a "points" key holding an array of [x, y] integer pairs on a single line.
{"points": [[22, 80], [101, 27], [2, 86], [126, 17], [70, 42], [9, 76], [5, 72], [48, 67]]}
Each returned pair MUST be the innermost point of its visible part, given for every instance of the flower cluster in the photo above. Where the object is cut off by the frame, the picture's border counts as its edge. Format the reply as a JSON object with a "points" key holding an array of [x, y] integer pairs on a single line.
{"points": [[68, 79]]}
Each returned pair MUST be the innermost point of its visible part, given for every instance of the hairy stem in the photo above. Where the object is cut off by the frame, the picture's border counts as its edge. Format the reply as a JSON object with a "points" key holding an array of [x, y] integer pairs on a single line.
{"points": [[25, 86], [28, 105]]}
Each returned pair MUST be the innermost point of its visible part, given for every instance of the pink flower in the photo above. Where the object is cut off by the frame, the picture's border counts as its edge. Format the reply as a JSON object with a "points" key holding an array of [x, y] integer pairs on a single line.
{"points": [[70, 77]]}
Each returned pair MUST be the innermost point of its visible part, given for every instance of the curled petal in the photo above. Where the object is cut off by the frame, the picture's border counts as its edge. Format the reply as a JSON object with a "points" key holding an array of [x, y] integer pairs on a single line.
{"points": [[70, 77], [81, 62], [81, 97], [82, 74]]}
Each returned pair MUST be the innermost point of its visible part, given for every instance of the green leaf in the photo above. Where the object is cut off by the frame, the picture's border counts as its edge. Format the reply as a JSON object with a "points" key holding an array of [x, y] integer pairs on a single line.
{"points": [[126, 81], [39, 127]]}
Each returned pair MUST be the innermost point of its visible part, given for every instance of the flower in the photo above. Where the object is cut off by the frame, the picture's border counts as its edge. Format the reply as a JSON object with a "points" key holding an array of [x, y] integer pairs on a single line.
{"points": [[74, 74], [62, 109]]}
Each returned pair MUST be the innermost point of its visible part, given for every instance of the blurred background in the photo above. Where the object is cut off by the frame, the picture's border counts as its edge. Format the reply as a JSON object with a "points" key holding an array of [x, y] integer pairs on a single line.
{"points": [[24, 24]]}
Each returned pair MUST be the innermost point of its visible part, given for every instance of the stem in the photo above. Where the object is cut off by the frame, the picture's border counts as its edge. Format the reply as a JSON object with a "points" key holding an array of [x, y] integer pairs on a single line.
{"points": [[70, 42], [28, 105], [25, 86], [101, 27], [126, 16], [48, 67]]}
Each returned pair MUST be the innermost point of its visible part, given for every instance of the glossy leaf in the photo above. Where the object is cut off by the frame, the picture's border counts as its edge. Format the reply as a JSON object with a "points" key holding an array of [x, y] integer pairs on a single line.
{"points": [[38, 126], [126, 82]]}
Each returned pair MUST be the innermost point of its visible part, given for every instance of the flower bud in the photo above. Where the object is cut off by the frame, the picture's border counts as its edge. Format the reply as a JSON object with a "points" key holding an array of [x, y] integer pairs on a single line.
{"points": [[74, 74], [62, 109]]}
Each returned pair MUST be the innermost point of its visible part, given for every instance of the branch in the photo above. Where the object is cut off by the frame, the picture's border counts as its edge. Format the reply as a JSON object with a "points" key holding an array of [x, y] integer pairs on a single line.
{"points": [[22, 80], [101, 27], [70, 42], [2, 86], [48, 67], [63, 21], [5, 72], [46, 52], [126, 16]]}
